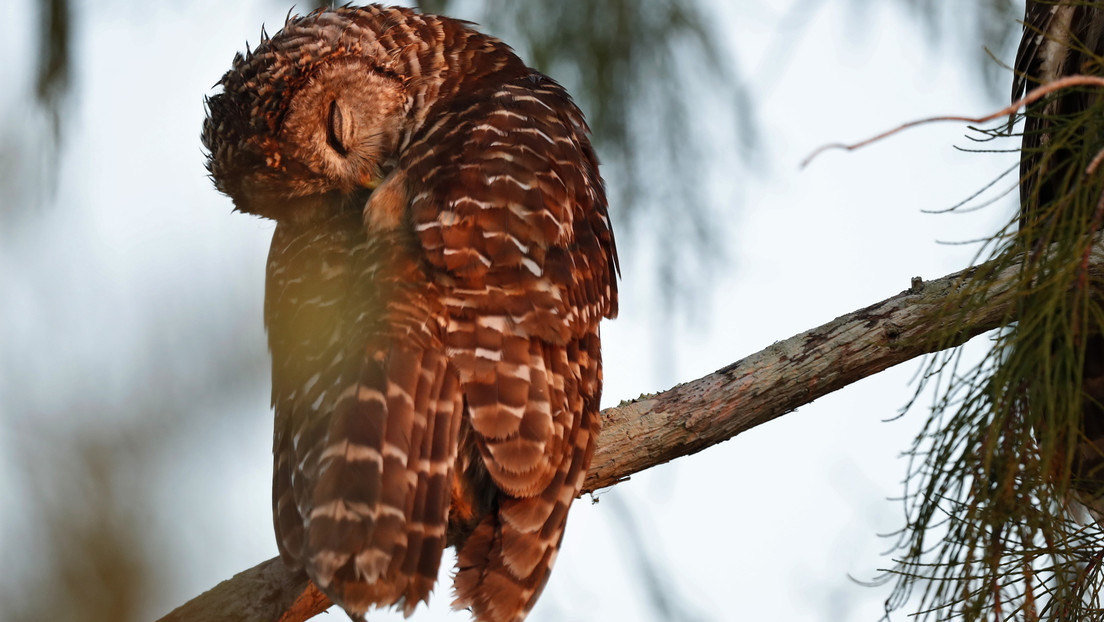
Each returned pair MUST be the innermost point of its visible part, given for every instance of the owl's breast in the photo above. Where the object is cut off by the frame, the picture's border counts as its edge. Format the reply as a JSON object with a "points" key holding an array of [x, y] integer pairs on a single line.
{"points": [[316, 311], [333, 293]]}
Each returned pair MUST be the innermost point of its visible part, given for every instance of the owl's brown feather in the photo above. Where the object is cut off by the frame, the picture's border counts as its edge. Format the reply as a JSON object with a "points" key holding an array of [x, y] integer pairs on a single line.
{"points": [[442, 259]]}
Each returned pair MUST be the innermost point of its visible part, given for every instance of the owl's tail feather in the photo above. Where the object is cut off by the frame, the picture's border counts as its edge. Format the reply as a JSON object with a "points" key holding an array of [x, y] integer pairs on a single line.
{"points": [[380, 505], [503, 566]]}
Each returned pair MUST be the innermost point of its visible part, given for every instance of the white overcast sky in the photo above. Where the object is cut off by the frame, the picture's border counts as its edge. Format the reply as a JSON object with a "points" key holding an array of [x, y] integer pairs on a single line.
{"points": [[767, 526]]}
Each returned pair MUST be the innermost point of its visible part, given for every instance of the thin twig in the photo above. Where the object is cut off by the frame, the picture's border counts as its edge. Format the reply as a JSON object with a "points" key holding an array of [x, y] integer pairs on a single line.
{"points": [[1032, 96]]}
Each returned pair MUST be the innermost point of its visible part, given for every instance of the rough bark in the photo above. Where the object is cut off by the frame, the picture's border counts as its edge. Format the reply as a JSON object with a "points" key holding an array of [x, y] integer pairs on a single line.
{"points": [[654, 429], [264, 592]]}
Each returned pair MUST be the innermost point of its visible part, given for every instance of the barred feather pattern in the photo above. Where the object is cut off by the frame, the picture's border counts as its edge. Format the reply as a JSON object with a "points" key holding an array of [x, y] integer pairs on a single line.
{"points": [[442, 259], [1061, 38]]}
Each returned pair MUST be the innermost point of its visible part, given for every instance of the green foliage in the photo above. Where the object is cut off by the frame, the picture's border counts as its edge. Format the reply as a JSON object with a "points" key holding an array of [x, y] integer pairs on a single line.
{"points": [[1000, 500]]}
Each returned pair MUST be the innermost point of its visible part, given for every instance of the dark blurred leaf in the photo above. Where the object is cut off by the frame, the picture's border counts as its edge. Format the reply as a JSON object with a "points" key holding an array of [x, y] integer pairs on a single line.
{"points": [[52, 81], [661, 590], [90, 561]]}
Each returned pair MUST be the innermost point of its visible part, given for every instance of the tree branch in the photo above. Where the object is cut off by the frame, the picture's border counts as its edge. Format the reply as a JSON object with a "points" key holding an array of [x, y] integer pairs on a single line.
{"points": [[654, 429]]}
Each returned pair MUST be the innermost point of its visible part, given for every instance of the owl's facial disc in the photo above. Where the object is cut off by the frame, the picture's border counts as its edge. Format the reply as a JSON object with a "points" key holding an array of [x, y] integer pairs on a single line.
{"points": [[333, 143], [343, 127]]}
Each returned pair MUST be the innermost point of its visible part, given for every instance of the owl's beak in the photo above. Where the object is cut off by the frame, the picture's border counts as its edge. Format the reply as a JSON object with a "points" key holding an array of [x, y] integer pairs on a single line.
{"points": [[370, 181]]}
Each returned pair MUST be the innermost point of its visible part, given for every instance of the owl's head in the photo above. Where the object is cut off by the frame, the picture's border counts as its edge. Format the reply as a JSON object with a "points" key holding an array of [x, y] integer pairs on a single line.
{"points": [[309, 118]]}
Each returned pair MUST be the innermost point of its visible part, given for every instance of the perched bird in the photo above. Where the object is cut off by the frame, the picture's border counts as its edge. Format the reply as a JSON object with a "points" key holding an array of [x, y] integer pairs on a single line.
{"points": [[1063, 38], [441, 261]]}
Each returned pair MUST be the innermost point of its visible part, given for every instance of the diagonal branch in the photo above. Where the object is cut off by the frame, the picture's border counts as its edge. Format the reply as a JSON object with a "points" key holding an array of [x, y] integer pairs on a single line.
{"points": [[655, 429]]}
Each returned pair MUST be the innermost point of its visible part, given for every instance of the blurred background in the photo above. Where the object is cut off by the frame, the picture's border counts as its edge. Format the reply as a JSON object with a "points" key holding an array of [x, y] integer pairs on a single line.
{"points": [[134, 416]]}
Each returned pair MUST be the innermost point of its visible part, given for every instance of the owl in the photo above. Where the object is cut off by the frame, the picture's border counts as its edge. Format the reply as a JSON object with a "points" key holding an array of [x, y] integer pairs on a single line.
{"points": [[441, 261]]}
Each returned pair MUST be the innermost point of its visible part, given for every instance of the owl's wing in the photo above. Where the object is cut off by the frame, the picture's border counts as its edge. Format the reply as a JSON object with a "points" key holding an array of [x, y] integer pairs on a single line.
{"points": [[509, 202], [509, 207], [511, 214]]}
